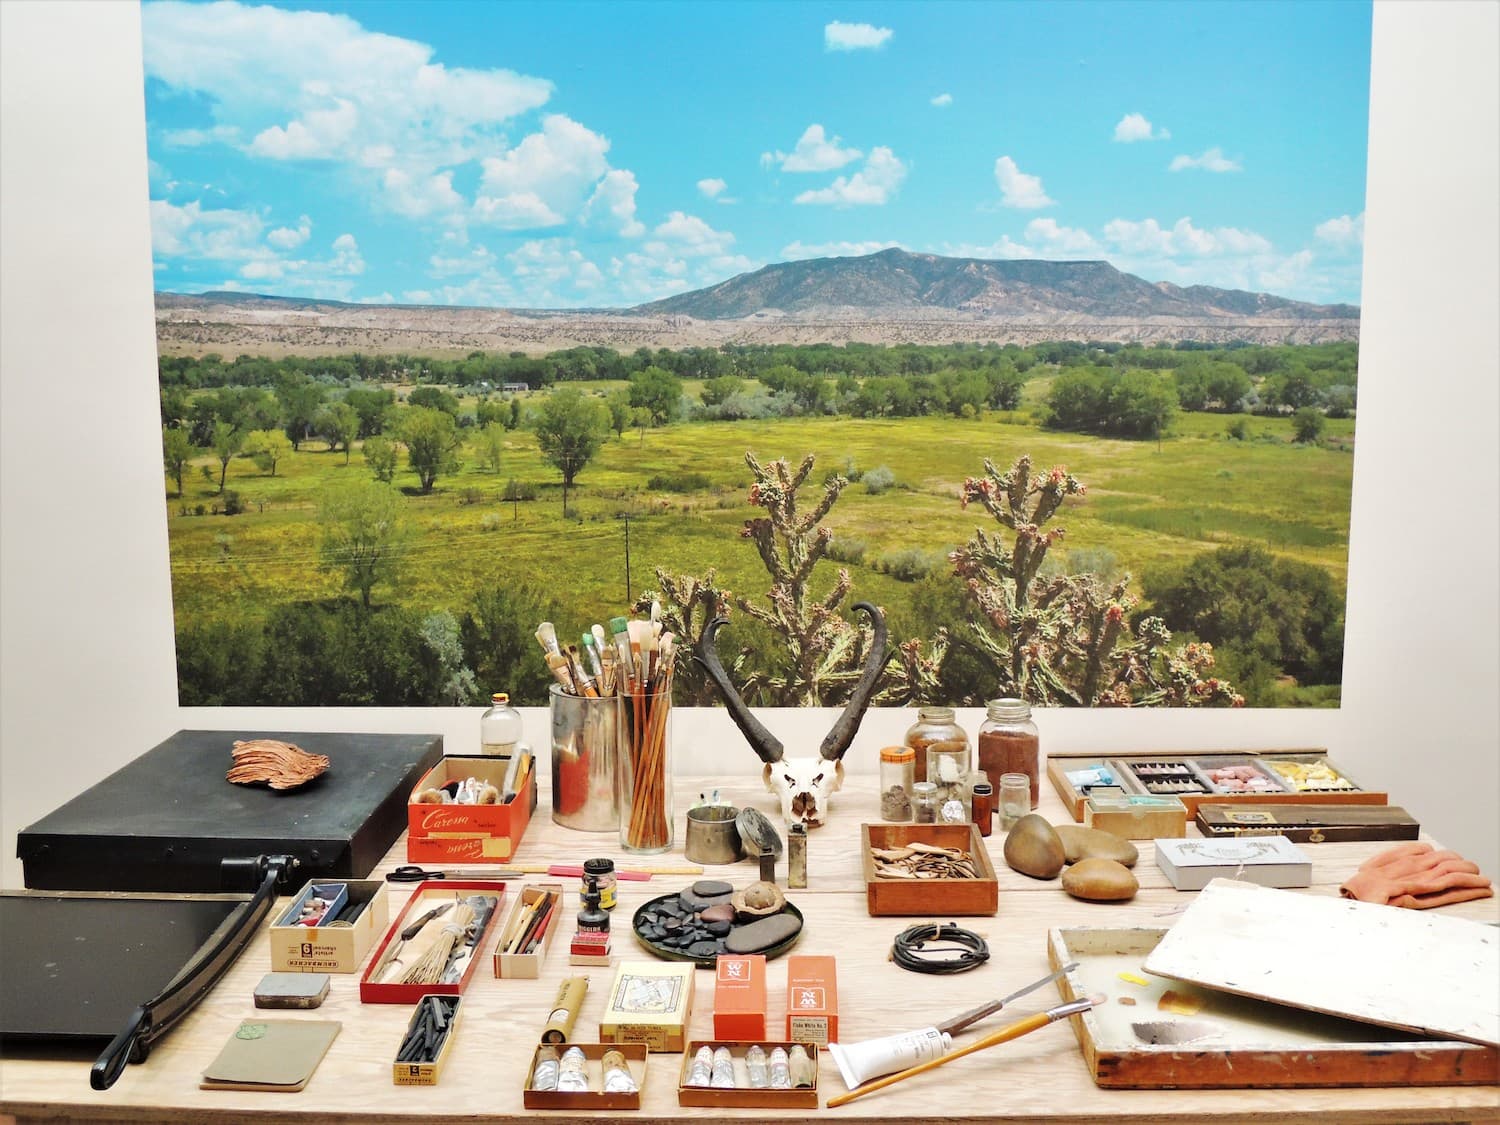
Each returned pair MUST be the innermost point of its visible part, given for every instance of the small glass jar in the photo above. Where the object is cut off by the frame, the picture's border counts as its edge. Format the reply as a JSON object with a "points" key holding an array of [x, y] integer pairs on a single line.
{"points": [[499, 727], [948, 769], [924, 806], [1009, 743], [897, 775], [1015, 799], [983, 808], [935, 726]]}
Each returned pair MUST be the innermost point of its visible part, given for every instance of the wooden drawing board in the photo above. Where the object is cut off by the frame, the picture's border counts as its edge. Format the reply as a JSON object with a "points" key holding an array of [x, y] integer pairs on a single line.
{"points": [[1408, 969]]}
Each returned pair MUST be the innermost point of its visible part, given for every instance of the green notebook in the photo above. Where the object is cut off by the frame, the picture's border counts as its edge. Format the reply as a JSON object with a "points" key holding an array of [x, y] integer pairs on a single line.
{"points": [[271, 1055]]}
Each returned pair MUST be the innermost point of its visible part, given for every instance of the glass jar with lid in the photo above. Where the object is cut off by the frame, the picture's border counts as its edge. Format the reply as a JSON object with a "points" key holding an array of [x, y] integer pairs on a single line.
{"points": [[935, 726], [924, 806], [1009, 743], [897, 775], [499, 727]]}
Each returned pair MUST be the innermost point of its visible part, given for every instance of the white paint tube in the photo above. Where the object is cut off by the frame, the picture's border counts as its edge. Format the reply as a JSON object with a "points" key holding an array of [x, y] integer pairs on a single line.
{"points": [[860, 1062]]}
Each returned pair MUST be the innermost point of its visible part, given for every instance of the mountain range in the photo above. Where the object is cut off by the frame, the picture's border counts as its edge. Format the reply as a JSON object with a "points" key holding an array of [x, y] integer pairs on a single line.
{"points": [[898, 281]]}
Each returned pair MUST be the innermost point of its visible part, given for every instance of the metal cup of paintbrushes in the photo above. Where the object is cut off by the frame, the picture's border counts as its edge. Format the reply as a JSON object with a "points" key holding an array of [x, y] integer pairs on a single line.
{"points": [[585, 758], [643, 787]]}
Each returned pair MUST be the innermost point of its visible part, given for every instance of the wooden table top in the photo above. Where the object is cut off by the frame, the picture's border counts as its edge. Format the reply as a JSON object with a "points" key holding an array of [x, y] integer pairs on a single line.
{"points": [[1039, 1076]]}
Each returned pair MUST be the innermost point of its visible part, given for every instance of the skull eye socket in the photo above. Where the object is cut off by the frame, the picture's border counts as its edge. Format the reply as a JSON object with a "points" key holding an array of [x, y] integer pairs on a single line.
{"points": [[817, 779], [790, 780]]}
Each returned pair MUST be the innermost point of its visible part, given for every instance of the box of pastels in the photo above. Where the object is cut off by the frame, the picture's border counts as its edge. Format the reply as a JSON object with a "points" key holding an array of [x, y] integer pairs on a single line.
{"points": [[749, 1075], [1203, 777]]}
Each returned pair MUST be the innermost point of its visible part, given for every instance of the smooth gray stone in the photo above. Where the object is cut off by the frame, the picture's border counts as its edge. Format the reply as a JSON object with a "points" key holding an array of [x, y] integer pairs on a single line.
{"points": [[703, 949], [711, 888], [724, 912], [762, 934], [718, 929], [694, 903]]}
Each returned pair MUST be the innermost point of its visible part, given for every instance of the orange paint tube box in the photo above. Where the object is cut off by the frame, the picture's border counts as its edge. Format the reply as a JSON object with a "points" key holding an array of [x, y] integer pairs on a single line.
{"points": [[740, 997], [812, 1000]]}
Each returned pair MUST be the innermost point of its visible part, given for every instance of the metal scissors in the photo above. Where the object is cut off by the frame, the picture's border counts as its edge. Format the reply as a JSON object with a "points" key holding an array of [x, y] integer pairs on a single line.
{"points": [[411, 873]]}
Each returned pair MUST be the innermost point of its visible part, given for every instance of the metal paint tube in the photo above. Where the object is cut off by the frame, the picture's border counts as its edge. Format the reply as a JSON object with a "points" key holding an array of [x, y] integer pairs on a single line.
{"points": [[565, 1009], [860, 1062]]}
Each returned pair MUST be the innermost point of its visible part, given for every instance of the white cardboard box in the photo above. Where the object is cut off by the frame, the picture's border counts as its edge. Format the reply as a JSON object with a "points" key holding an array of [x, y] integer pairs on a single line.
{"points": [[1271, 861]]}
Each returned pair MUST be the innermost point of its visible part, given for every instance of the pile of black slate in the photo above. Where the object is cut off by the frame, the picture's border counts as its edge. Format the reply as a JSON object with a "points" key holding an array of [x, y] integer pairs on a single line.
{"points": [[700, 922]]}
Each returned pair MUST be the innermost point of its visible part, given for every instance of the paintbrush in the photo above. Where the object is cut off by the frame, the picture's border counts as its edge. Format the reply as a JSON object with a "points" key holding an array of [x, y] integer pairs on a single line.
{"points": [[1004, 1035], [974, 1015], [620, 632], [546, 636], [559, 665], [592, 655], [581, 677]]}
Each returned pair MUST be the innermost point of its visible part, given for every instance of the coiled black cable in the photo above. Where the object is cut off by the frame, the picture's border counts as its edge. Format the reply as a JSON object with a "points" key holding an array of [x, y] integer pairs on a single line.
{"points": [[970, 954]]}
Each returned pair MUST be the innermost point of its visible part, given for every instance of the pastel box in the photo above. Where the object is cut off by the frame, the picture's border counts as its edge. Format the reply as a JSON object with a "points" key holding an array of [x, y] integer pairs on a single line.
{"points": [[649, 1002], [330, 949], [469, 833], [1132, 816], [428, 1073], [424, 898]]}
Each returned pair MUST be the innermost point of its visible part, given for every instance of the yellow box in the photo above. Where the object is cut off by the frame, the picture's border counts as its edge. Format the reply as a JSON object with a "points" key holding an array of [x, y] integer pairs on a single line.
{"points": [[331, 949], [428, 1073], [649, 1002]]}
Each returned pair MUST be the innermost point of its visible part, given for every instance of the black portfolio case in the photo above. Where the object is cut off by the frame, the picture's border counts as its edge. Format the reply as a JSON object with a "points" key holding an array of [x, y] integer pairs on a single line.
{"points": [[165, 821]]}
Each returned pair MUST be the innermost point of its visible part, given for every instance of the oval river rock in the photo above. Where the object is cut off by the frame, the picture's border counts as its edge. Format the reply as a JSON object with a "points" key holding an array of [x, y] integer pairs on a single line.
{"points": [[1081, 842], [1099, 880], [1033, 848]]}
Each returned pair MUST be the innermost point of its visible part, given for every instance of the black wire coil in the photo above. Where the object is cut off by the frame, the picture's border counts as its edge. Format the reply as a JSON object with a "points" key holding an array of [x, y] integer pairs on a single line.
{"points": [[907, 950]]}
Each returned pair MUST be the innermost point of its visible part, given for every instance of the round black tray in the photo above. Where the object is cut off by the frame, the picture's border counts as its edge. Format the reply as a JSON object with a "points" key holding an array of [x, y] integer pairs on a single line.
{"points": [[669, 953]]}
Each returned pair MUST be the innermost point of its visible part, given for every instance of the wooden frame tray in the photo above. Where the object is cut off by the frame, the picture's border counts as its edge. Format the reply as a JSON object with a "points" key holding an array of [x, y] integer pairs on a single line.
{"points": [[1250, 1042], [924, 897], [1195, 763]]}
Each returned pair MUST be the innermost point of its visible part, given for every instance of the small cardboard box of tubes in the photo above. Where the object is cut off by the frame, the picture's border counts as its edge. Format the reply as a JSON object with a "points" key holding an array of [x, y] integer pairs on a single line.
{"points": [[749, 1075], [339, 938], [606, 1076]]}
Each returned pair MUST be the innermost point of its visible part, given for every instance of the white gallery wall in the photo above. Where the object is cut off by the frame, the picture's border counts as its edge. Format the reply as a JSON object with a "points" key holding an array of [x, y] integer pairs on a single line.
{"points": [[87, 676]]}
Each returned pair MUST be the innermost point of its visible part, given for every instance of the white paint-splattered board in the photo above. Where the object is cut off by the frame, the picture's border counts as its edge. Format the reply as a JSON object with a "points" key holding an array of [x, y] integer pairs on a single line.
{"points": [[1408, 969]]}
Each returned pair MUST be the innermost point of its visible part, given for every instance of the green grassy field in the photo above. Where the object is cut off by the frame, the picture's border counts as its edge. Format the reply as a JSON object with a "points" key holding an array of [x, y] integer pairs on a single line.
{"points": [[1147, 505]]}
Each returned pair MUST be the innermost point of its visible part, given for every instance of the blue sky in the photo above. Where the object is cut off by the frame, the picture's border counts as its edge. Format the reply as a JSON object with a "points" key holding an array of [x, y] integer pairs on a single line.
{"points": [[581, 154]]}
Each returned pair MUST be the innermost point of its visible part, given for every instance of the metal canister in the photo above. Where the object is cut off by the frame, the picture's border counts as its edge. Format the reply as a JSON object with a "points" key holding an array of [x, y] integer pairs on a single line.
{"points": [[585, 749]]}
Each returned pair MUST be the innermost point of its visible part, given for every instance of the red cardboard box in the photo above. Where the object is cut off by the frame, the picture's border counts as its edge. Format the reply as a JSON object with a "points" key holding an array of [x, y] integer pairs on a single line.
{"points": [[812, 1000], [469, 833], [424, 898], [740, 996]]}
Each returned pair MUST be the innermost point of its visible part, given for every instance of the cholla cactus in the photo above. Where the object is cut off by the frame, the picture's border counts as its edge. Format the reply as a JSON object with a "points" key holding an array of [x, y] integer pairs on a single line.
{"points": [[1067, 638], [825, 652], [688, 603]]}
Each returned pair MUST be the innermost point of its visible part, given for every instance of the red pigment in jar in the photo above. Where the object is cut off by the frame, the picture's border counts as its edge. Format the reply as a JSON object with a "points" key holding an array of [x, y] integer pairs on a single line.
{"points": [[1009, 743]]}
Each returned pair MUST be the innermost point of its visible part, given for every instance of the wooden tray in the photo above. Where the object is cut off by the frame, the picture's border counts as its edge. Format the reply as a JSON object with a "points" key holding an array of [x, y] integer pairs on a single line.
{"points": [[929, 897], [745, 1097], [1059, 765], [1254, 1043], [636, 1058]]}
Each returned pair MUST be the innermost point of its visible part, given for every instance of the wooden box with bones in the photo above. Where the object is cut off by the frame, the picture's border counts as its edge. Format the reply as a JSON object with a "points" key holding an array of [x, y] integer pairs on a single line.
{"points": [[406, 933], [486, 833], [920, 894]]}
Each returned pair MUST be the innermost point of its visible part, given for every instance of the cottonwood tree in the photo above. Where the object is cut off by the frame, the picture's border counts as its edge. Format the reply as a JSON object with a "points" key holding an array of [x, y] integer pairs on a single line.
{"points": [[268, 448], [490, 444], [177, 449], [570, 428], [432, 443], [363, 534], [338, 424], [381, 455], [227, 442]]}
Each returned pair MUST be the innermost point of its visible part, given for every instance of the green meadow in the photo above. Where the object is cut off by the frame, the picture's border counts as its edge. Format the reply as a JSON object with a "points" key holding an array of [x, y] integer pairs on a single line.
{"points": [[1149, 504]]}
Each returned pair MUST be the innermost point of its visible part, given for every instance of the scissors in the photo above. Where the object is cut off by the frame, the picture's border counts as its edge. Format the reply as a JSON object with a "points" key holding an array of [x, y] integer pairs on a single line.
{"points": [[411, 873]]}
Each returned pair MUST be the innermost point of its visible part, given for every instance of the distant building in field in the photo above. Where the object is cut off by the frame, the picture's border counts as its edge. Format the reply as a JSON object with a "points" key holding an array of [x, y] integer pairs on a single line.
{"points": [[515, 388]]}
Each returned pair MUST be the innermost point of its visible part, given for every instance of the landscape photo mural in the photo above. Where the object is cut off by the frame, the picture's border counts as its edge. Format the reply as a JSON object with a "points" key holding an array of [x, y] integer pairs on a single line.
{"points": [[1035, 325]]}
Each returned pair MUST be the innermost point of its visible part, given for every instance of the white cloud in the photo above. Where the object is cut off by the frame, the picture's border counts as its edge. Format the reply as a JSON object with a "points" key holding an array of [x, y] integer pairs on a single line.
{"points": [[815, 152], [320, 134], [1212, 160], [838, 36], [1182, 239], [376, 299], [1017, 188], [689, 235], [1005, 247], [475, 261], [546, 177], [799, 250], [416, 197], [942, 100], [1056, 239], [712, 188], [285, 238], [612, 206], [195, 138], [1343, 232], [874, 184], [194, 232], [1135, 127]]}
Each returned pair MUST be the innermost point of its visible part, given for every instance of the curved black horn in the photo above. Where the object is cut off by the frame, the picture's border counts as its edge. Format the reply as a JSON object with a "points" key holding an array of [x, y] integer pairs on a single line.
{"points": [[842, 732], [762, 741]]}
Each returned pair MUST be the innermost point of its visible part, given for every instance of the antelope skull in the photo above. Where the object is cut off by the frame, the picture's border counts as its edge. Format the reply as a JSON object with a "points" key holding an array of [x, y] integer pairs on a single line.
{"points": [[805, 786]]}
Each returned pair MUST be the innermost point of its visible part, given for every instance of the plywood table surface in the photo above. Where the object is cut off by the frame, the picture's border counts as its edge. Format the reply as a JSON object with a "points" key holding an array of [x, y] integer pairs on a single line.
{"points": [[1040, 1076]]}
